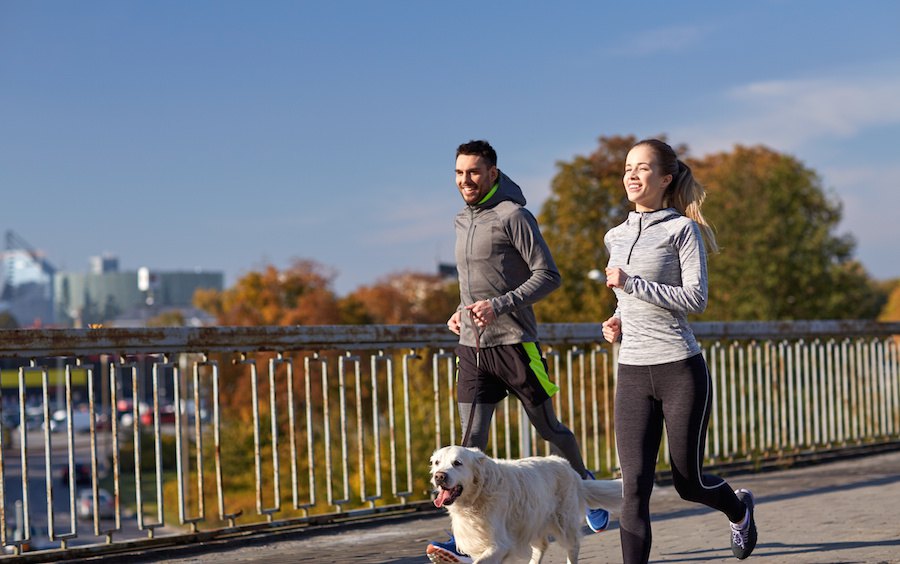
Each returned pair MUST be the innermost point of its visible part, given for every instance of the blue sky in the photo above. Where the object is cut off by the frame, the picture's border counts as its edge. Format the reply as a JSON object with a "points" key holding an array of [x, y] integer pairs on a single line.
{"points": [[225, 135]]}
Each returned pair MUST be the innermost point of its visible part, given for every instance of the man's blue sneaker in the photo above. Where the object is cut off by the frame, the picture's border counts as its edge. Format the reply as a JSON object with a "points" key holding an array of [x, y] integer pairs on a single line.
{"points": [[597, 519], [446, 552]]}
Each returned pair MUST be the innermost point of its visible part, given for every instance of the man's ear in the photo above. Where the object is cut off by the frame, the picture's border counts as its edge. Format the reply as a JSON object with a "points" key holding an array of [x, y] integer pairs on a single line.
{"points": [[495, 174]]}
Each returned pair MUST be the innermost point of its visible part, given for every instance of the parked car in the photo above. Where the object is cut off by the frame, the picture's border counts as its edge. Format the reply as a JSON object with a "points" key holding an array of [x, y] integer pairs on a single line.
{"points": [[166, 416], [106, 504], [82, 474], [81, 421]]}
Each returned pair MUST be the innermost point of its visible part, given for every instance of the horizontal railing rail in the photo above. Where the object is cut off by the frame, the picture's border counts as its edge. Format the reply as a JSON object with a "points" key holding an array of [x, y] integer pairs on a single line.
{"points": [[122, 438]]}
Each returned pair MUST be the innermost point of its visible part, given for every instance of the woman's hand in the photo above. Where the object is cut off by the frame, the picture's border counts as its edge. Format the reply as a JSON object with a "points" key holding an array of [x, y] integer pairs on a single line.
{"points": [[615, 277], [612, 329]]}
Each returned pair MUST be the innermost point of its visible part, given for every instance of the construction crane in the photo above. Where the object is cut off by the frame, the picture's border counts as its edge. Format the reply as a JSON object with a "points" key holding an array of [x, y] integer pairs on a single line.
{"points": [[15, 242]]}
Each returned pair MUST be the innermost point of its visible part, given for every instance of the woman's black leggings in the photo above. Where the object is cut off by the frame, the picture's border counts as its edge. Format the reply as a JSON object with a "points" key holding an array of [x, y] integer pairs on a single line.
{"points": [[681, 394]]}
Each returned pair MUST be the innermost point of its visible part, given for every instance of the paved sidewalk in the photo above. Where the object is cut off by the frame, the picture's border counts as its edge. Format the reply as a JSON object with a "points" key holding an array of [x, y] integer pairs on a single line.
{"points": [[843, 511]]}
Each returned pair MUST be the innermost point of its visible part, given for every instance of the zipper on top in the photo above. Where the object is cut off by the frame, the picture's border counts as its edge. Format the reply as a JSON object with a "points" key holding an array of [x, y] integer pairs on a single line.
{"points": [[640, 228]]}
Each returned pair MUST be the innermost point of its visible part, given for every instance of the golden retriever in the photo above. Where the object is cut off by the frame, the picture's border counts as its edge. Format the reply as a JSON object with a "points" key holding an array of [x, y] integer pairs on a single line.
{"points": [[500, 508]]}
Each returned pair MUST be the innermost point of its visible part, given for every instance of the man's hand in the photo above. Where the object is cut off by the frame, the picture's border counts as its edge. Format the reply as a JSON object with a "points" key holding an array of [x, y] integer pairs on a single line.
{"points": [[453, 322], [483, 312], [616, 277], [612, 329]]}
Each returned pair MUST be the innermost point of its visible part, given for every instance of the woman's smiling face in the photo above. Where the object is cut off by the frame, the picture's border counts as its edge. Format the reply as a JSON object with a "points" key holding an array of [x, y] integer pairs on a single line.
{"points": [[644, 182]]}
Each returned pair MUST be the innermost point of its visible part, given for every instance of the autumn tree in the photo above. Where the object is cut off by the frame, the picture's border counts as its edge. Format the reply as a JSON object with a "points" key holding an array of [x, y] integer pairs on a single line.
{"points": [[406, 297], [780, 256], [298, 295], [586, 201], [173, 318]]}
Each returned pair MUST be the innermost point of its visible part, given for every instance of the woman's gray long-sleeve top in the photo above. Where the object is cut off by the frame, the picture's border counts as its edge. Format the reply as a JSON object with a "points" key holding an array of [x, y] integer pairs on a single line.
{"points": [[663, 254]]}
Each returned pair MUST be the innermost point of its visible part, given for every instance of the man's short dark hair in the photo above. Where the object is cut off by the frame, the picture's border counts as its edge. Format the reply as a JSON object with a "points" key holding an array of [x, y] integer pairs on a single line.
{"points": [[479, 148]]}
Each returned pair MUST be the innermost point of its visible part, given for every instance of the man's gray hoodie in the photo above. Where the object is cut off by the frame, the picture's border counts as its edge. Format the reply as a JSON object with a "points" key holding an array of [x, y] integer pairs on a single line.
{"points": [[501, 256]]}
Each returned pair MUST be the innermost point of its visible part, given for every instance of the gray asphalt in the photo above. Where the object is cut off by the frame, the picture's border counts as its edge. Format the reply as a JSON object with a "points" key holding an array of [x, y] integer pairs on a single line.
{"points": [[841, 511]]}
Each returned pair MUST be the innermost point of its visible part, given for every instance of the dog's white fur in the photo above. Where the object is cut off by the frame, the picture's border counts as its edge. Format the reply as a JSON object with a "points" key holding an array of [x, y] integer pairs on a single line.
{"points": [[499, 508]]}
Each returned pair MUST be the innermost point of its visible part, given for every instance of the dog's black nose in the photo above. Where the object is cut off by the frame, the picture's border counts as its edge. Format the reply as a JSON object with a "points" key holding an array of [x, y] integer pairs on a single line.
{"points": [[440, 478]]}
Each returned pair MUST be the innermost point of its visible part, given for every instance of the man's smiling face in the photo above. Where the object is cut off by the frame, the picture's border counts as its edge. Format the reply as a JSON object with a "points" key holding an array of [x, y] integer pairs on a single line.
{"points": [[474, 177]]}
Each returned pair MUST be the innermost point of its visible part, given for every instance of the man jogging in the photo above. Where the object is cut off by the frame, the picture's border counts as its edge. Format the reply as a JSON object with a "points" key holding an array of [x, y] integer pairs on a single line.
{"points": [[504, 267]]}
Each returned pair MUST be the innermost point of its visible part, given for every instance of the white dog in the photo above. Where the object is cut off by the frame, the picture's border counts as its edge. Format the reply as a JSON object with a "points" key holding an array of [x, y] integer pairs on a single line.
{"points": [[499, 508]]}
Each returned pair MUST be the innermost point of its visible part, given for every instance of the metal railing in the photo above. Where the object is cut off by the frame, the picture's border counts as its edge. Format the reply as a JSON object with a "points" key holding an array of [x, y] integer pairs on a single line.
{"points": [[200, 433]]}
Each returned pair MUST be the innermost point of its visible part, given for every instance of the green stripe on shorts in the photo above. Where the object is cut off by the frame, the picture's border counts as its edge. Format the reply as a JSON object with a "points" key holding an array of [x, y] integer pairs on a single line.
{"points": [[536, 364]]}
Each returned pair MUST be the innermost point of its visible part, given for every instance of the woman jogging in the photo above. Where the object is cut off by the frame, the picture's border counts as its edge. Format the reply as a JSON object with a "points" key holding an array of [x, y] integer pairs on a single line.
{"points": [[657, 268]]}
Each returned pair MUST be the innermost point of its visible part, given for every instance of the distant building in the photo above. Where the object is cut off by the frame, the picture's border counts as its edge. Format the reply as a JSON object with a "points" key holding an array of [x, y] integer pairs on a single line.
{"points": [[35, 294], [26, 290], [447, 271], [106, 296]]}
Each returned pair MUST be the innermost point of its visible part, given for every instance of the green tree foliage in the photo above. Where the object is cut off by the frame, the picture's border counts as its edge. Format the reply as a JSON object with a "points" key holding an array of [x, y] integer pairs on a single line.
{"points": [[587, 200], [891, 310], [8, 321], [780, 258]]}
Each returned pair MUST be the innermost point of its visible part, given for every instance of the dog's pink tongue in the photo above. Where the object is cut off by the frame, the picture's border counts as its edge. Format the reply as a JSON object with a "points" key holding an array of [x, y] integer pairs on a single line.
{"points": [[443, 495]]}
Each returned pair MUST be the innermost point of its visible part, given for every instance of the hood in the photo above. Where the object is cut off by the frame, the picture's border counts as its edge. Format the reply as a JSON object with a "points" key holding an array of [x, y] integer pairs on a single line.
{"points": [[506, 190]]}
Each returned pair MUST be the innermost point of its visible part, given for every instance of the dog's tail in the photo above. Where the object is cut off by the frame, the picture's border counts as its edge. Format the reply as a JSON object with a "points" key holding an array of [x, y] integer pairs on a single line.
{"points": [[603, 493]]}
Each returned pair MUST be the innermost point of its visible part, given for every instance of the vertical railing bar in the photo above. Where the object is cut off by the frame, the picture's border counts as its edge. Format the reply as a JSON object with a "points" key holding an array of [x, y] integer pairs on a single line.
{"points": [[557, 398], [816, 406], [310, 429], [408, 423], [827, 363], [345, 449], [292, 431], [3, 447], [329, 465], [157, 444], [116, 452], [892, 384], [879, 373], [435, 371], [595, 409], [845, 397], [759, 413], [273, 430], [507, 439], [198, 440], [570, 390], [23, 451], [609, 445], [855, 393], [257, 449], [231, 518], [793, 394], [48, 449], [376, 425], [730, 419], [451, 396], [714, 436], [806, 403], [360, 432], [771, 394]]}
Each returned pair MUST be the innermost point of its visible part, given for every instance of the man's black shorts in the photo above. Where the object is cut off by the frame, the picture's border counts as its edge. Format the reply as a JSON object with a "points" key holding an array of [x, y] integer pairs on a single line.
{"points": [[520, 369]]}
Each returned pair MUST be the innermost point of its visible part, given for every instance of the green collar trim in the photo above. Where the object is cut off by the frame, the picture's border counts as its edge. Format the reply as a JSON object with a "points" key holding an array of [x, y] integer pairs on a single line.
{"points": [[489, 194]]}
